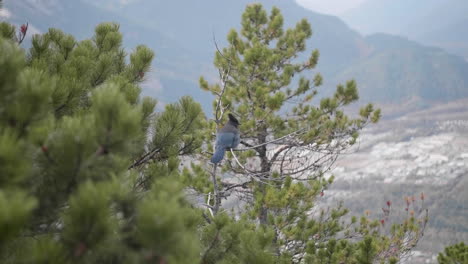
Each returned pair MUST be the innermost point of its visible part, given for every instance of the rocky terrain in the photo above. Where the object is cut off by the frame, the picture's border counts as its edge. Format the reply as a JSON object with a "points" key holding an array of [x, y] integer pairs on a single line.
{"points": [[422, 152], [406, 155]]}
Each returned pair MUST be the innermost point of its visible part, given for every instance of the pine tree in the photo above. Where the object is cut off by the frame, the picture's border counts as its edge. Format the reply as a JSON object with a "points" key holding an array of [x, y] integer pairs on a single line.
{"points": [[454, 254], [288, 146], [90, 173], [86, 165]]}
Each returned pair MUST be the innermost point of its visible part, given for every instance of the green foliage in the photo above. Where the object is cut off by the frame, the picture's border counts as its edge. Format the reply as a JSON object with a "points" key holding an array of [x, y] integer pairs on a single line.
{"points": [[88, 209], [174, 133], [16, 211], [72, 123], [454, 254], [367, 250], [291, 144], [91, 174], [166, 226], [6, 30], [231, 241]]}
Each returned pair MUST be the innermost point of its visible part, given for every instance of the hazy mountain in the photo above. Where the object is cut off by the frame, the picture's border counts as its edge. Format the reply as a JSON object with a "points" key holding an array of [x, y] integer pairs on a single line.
{"points": [[434, 22], [389, 16], [182, 34], [398, 70], [451, 37], [194, 23]]}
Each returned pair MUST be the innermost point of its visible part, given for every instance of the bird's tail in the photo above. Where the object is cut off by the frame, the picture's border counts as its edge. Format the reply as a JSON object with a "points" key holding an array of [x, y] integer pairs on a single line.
{"points": [[218, 155]]}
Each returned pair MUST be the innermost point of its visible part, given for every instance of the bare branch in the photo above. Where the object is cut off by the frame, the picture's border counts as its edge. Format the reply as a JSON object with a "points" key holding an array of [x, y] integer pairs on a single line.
{"points": [[22, 33], [216, 198]]}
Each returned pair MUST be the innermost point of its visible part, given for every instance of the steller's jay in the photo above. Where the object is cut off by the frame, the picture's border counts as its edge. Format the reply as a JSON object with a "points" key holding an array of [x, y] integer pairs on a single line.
{"points": [[227, 137]]}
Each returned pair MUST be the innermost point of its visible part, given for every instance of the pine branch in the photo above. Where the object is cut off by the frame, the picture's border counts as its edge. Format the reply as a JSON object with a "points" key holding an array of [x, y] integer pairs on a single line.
{"points": [[145, 158]]}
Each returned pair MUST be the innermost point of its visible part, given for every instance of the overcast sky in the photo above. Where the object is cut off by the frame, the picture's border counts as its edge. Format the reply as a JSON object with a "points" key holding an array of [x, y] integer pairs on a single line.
{"points": [[332, 7]]}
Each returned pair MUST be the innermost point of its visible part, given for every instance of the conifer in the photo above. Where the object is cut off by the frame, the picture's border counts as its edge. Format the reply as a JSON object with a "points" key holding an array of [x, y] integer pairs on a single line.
{"points": [[81, 180], [457, 253], [289, 141], [91, 173]]}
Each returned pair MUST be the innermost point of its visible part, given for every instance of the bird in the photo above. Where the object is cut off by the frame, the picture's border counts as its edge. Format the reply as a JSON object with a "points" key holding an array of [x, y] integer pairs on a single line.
{"points": [[227, 137]]}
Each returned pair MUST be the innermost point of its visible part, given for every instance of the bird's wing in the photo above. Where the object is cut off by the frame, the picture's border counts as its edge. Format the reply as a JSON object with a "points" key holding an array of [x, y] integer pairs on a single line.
{"points": [[236, 140], [225, 140]]}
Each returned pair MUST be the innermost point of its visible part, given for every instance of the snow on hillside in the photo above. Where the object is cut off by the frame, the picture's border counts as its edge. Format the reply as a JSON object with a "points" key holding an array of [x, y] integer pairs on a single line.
{"points": [[420, 152], [432, 159]]}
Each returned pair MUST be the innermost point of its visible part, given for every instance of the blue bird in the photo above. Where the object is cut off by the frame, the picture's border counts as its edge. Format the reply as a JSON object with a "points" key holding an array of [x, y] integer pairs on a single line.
{"points": [[227, 137]]}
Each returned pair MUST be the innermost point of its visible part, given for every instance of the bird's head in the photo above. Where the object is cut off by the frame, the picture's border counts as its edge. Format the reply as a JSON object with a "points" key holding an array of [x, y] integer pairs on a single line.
{"points": [[233, 120]]}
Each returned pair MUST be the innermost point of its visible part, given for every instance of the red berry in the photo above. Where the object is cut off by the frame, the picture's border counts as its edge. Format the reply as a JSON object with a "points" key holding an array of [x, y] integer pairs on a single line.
{"points": [[23, 28], [44, 148], [389, 203], [382, 221]]}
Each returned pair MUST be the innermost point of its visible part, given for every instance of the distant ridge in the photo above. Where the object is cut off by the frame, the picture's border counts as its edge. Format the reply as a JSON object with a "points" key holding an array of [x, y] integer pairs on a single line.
{"points": [[388, 69]]}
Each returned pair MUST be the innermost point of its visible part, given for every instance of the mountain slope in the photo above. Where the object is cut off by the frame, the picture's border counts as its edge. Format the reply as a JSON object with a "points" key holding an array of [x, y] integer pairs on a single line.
{"points": [[452, 37], [388, 16], [399, 69], [432, 22], [425, 73], [193, 24], [79, 18], [183, 35]]}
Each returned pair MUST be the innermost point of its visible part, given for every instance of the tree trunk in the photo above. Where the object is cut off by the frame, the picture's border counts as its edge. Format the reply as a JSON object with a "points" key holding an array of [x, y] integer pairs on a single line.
{"points": [[265, 169]]}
